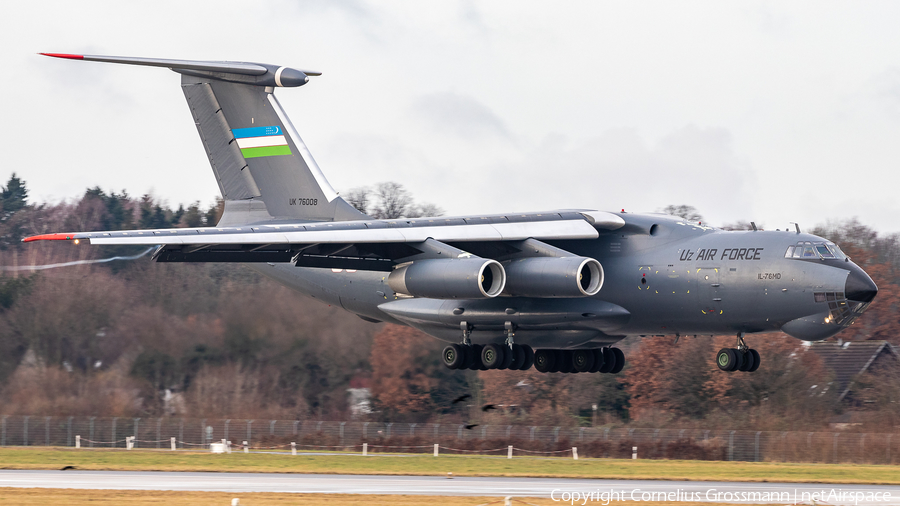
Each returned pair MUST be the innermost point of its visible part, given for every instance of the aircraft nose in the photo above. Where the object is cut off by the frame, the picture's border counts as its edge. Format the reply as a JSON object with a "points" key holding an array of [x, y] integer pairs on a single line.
{"points": [[859, 286]]}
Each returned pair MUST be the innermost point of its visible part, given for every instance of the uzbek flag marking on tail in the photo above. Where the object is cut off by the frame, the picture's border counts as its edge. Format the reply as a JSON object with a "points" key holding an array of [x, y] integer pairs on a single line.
{"points": [[261, 141]]}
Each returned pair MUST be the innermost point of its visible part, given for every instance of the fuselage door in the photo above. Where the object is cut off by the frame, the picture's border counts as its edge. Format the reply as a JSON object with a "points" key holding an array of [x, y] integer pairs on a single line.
{"points": [[709, 294]]}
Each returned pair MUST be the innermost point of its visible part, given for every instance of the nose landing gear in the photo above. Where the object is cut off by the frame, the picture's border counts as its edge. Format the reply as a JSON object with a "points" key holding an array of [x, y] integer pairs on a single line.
{"points": [[742, 358]]}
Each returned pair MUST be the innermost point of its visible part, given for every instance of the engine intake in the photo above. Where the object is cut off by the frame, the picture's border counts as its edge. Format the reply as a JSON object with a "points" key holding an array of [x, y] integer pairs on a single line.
{"points": [[463, 278], [554, 277]]}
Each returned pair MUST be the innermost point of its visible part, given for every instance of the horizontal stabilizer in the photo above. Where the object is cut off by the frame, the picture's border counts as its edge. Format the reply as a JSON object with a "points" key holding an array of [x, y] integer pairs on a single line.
{"points": [[259, 73]]}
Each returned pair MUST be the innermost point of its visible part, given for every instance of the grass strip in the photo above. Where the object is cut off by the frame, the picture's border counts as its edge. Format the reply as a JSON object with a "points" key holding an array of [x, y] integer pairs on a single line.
{"points": [[426, 465]]}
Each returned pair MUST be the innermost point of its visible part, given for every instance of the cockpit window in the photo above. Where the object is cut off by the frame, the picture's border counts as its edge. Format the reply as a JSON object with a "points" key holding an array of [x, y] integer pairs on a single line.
{"points": [[807, 250], [836, 250], [823, 251]]}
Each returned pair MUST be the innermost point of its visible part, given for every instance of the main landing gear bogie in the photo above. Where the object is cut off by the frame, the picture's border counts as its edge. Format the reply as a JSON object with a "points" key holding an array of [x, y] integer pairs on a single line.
{"points": [[602, 360], [517, 357]]}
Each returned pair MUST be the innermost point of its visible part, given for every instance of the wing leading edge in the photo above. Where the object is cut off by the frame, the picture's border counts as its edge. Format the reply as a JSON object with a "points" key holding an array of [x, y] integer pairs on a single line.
{"points": [[364, 245], [566, 225]]}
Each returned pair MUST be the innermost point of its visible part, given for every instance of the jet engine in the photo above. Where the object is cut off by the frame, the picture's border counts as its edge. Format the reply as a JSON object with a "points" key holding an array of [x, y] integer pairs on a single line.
{"points": [[460, 278], [568, 276]]}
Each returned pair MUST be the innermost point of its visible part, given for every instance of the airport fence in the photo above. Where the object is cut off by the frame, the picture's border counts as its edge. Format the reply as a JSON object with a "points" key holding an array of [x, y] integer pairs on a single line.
{"points": [[349, 436]]}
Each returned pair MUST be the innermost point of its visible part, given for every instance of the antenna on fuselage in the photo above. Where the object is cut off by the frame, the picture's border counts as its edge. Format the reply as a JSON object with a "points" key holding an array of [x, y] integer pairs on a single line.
{"points": [[753, 224], [796, 226]]}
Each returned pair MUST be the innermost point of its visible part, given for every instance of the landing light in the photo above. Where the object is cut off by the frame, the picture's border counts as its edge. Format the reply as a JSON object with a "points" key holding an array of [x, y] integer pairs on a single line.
{"points": [[76, 241]]}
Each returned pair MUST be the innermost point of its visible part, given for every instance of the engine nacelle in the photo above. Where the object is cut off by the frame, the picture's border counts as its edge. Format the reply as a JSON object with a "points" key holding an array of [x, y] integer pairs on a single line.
{"points": [[461, 278], [553, 277]]}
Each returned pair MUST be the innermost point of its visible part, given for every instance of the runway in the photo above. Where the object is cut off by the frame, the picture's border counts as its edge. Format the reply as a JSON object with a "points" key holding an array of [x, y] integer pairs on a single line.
{"points": [[566, 490]]}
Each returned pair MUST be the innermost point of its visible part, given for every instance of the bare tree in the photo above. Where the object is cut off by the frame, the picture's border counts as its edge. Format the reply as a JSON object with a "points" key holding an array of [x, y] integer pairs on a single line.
{"points": [[687, 212], [739, 225], [424, 211], [360, 198], [394, 201], [389, 201], [403, 370]]}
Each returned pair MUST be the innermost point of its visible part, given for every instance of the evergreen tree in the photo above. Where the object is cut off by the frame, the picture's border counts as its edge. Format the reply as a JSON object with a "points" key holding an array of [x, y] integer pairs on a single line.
{"points": [[14, 195], [193, 217], [13, 198]]}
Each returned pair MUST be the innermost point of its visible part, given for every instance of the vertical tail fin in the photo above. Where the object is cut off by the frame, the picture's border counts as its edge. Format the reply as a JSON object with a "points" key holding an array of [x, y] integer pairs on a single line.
{"points": [[264, 170]]}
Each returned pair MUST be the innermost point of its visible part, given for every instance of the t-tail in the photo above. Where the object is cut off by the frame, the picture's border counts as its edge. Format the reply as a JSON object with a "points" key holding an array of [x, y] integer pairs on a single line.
{"points": [[264, 170]]}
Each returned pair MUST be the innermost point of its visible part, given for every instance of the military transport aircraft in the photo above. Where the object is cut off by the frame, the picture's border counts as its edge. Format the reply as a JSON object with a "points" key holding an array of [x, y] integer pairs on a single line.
{"points": [[551, 289]]}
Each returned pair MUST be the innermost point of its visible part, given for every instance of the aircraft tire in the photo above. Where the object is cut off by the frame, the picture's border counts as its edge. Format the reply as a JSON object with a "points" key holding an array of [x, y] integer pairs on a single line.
{"points": [[511, 357], [475, 351], [557, 360], [746, 361], [739, 359], [518, 354], [609, 361], [469, 358], [453, 356], [598, 359], [565, 361], [544, 360], [529, 358], [582, 360], [620, 361], [726, 359], [508, 357], [756, 360], [559, 365], [492, 356]]}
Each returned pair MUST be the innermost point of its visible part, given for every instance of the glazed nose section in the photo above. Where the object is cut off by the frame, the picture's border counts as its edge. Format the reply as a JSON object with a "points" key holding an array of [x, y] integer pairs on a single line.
{"points": [[859, 286]]}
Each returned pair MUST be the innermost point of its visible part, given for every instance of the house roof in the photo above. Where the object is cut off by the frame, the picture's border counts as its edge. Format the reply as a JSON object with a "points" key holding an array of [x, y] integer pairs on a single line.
{"points": [[851, 358]]}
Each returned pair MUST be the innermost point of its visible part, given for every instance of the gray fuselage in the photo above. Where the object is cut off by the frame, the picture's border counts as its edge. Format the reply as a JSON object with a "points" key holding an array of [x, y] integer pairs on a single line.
{"points": [[662, 276]]}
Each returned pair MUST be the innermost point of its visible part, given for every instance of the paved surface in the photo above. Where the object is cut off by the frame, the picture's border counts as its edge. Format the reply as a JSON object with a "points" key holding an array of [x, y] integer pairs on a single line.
{"points": [[643, 490]]}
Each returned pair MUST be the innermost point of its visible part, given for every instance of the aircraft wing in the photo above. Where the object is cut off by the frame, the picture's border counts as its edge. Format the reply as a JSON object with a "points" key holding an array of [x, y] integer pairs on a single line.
{"points": [[361, 244]]}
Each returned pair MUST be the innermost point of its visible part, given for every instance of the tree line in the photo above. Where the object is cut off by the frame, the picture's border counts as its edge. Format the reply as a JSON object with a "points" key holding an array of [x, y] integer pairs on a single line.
{"points": [[126, 338]]}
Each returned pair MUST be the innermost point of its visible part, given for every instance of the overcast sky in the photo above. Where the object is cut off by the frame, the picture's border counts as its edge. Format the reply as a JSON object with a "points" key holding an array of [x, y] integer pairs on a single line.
{"points": [[764, 111]]}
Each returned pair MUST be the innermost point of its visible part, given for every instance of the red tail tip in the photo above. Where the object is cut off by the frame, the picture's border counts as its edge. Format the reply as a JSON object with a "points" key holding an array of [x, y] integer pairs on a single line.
{"points": [[64, 55]]}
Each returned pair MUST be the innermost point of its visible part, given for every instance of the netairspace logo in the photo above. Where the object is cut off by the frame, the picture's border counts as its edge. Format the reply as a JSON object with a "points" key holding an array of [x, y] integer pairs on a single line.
{"points": [[832, 496]]}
